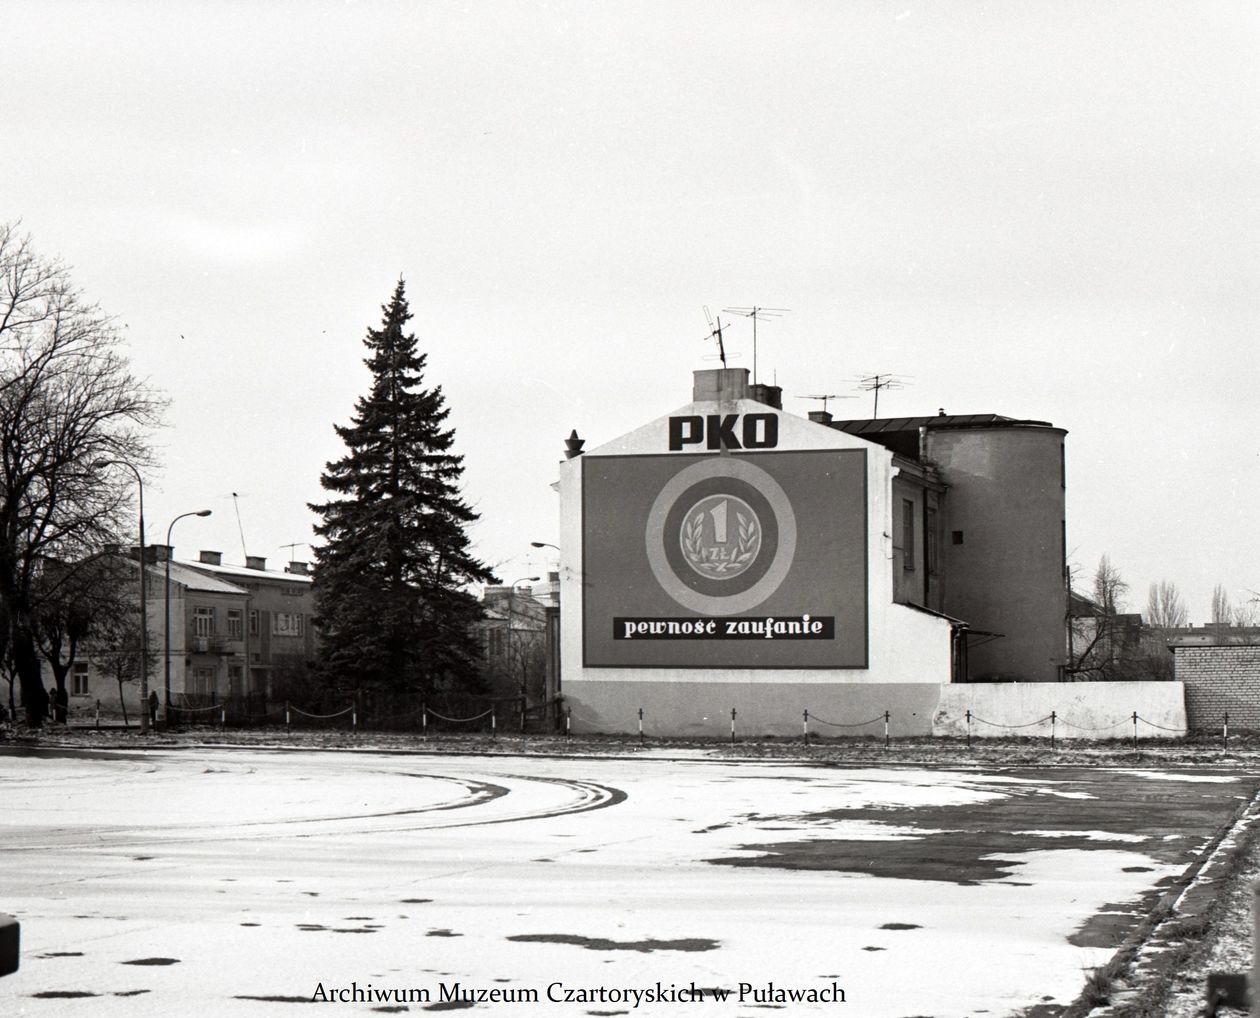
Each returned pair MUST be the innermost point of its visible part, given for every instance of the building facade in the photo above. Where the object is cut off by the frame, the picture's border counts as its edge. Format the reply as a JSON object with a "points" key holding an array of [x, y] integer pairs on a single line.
{"points": [[730, 561], [218, 632]]}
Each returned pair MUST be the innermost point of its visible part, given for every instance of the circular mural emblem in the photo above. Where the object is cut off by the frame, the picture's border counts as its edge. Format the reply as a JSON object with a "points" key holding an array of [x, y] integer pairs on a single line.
{"points": [[720, 536]]}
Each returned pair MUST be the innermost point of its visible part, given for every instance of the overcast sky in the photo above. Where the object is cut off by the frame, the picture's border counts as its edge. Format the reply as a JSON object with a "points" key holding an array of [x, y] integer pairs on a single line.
{"points": [[1043, 210]]}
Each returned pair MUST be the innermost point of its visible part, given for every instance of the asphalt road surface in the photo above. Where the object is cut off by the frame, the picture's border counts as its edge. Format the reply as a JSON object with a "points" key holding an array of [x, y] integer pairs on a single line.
{"points": [[260, 882]]}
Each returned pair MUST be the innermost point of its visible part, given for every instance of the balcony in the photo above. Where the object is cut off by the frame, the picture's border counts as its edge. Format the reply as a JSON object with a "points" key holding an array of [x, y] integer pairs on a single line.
{"points": [[224, 645]]}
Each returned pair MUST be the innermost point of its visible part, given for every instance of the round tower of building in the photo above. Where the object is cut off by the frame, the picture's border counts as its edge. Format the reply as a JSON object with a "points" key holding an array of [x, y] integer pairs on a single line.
{"points": [[1003, 544]]}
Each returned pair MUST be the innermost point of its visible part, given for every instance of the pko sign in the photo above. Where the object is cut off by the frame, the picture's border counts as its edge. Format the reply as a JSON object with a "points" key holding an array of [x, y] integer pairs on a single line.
{"points": [[718, 431]]}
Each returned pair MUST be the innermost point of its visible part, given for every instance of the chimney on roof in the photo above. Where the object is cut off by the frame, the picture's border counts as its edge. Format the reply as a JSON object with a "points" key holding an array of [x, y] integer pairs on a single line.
{"points": [[258, 562], [770, 395], [211, 558], [820, 416], [719, 384], [297, 569], [163, 552]]}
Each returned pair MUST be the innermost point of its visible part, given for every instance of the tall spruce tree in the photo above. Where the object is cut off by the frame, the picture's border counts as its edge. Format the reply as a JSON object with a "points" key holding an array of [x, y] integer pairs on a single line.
{"points": [[391, 578]]}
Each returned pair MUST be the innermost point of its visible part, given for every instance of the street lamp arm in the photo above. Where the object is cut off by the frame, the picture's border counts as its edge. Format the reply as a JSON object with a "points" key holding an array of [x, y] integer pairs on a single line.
{"points": [[166, 637]]}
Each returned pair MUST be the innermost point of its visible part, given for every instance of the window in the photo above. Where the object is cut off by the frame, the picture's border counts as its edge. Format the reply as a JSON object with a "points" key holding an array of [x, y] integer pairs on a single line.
{"points": [[286, 624], [253, 622], [234, 621], [930, 553], [203, 621], [907, 534], [496, 643], [957, 537], [79, 679]]}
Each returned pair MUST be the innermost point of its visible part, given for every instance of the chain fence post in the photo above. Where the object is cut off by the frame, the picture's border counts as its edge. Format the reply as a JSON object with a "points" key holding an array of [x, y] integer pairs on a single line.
{"points": [[287, 721], [222, 715], [98, 714], [1224, 733], [805, 725], [640, 726], [968, 729], [424, 722], [494, 732], [568, 721], [732, 726], [886, 717], [1052, 720], [354, 719], [1135, 744]]}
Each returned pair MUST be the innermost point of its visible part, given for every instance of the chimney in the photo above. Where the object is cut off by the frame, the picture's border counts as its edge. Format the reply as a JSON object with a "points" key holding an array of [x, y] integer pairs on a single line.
{"points": [[573, 445], [719, 384], [163, 552], [211, 558], [820, 416], [297, 569], [770, 395], [258, 562]]}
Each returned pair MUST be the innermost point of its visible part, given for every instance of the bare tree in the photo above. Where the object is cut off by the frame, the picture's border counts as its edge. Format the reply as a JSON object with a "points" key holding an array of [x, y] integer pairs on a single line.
{"points": [[1247, 614], [75, 602], [68, 401], [1164, 607], [1222, 613], [1104, 640], [116, 650]]}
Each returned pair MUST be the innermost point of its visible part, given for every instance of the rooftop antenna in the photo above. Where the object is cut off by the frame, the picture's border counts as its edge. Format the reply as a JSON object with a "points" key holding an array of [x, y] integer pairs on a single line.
{"points": [[291, 547], [715, 331], [237, 507], [830, 395], [873, 383], [754, 313]]}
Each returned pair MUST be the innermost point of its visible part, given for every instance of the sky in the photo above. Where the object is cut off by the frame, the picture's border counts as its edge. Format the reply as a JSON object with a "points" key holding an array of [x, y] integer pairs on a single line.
{"points": [[1042, 210]]}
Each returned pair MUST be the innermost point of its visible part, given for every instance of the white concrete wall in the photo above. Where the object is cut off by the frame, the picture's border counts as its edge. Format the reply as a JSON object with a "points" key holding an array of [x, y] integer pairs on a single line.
{"points": [[1084, 710]]}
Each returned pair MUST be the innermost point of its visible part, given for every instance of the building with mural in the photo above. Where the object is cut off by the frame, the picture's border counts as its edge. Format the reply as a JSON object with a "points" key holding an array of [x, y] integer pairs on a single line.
{"points": [[732, 557]]}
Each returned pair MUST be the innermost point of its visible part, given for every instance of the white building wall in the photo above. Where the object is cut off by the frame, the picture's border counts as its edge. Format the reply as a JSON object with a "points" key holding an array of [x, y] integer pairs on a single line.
{"points": [[905, 646]]}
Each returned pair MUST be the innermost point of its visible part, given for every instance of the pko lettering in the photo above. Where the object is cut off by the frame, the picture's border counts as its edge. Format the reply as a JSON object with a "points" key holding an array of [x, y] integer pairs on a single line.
{"points": [[718, 431]]}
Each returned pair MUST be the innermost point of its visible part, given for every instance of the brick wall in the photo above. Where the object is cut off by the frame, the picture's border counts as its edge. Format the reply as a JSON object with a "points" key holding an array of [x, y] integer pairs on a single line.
{"points": [[1219, 680]]}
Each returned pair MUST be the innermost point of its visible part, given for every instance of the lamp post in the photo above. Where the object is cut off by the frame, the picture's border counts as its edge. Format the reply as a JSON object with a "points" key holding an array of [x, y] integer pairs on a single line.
{"points": [[551, 683], [144, 611], [166, 635], [524, 671]]}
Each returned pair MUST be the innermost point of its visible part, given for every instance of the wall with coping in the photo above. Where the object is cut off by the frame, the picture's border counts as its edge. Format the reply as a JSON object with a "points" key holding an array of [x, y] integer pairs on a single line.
{"points": [[1083, 710]]}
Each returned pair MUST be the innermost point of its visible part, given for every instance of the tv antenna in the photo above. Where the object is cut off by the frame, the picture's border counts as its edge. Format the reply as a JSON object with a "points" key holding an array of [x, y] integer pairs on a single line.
{"points": [[830, 395], [754, 313], [715, 332], [873, 383], [292, 547]]}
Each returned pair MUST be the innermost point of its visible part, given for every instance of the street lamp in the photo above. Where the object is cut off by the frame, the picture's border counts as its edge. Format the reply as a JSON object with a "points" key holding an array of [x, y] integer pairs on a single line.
{"points": [[524, 672], [166, 636], [144, 611]]}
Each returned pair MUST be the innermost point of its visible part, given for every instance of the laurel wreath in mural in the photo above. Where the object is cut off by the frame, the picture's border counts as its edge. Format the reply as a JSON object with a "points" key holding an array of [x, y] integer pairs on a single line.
{"points": [[718, 561]]}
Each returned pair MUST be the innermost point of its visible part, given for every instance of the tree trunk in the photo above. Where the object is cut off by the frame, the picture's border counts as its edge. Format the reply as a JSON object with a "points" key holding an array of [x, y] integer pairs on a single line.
{"points": [[30, 676], [122, 702]]}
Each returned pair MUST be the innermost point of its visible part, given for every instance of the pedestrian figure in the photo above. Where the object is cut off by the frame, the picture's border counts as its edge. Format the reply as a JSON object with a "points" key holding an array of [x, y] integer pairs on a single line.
{"points": [[153, 706]]}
